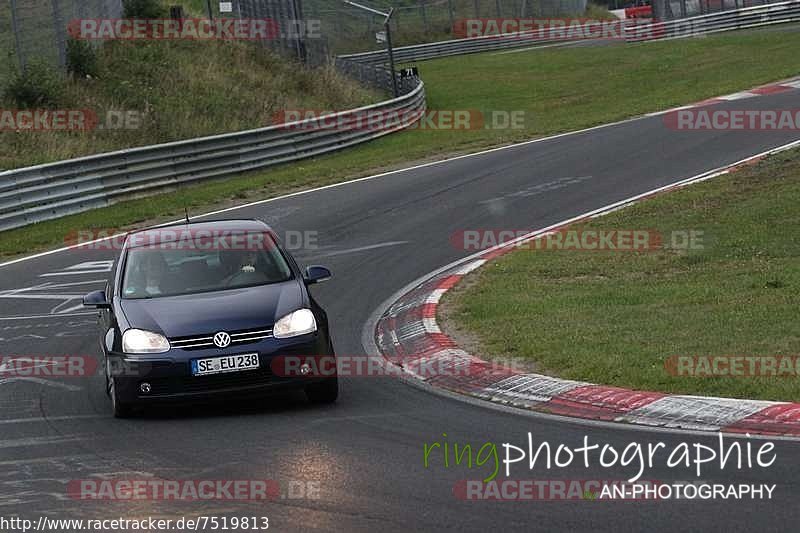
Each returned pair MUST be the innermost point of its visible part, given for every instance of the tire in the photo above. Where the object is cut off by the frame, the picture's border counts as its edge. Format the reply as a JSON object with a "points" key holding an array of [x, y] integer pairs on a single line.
{"points": [[119, 408], [324, 392]]}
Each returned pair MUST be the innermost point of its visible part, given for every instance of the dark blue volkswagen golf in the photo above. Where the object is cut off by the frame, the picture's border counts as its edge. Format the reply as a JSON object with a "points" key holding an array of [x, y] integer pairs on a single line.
{"points": [[201, 310]]}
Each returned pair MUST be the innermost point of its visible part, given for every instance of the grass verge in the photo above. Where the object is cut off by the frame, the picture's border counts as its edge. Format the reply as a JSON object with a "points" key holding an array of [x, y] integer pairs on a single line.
{"points": [[557, 90], [178, 90], [615, 318]]}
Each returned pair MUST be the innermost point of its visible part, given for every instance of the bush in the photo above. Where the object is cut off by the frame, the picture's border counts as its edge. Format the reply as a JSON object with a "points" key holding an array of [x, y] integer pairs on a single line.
{"points": [[144, 9], [81, 59], [39, 86]]}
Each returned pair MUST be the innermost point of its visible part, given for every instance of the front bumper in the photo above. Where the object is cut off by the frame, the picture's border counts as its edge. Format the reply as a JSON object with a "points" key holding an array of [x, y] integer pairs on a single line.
{"points": [[170, 378]]}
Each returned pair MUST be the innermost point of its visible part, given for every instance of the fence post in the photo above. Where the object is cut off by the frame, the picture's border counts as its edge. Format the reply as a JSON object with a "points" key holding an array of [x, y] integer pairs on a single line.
{"points": [[498, 8], [451, 14], [299, 24], [17, 43], [477, 9], [60, 34], [424, 13]]}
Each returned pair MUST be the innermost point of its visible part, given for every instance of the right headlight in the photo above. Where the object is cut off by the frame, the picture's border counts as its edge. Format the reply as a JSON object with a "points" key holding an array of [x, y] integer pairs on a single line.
{"points": [[139, 341], [297, 323]]}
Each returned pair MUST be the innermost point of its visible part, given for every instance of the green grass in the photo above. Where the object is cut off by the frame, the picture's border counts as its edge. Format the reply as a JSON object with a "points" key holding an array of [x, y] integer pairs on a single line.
{"points": [[557, 89], [614, 318], [181, 90]]}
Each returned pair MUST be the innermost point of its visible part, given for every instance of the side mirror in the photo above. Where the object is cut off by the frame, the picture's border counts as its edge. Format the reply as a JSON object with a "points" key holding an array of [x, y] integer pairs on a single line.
{"points": [[96, 299], [316, 274]]}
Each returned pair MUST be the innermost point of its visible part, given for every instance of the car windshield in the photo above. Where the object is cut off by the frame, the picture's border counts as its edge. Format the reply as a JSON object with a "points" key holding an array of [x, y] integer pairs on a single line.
{"points": [[160, 270]]}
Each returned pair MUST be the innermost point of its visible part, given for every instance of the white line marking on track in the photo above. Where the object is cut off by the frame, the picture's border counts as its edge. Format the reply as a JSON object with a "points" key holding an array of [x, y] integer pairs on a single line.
{"points": [[362, 248], [72, 273], [38, 317], [40, 381], [51, 285], [42, 296], [35, 441], [36, 420], [71, 309], [365, 178]]}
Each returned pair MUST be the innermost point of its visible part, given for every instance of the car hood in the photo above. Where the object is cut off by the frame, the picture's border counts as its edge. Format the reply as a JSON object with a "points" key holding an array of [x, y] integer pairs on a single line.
{"points": [[210, 312]]}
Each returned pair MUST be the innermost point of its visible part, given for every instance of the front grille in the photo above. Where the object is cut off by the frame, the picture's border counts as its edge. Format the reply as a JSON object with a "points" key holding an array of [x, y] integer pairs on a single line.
{"points": [[195, 384], [202, 342]]}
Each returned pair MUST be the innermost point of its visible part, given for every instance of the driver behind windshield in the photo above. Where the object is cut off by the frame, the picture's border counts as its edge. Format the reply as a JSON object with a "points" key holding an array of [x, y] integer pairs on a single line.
{"points": [[171, 272], [249, 269], [147, 276]]}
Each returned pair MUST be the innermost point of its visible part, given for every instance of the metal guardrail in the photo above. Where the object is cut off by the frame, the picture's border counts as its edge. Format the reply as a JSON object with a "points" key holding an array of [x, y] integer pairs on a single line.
{"points": [[748, 17], [54, 190], [634, 30], [421, 52]]}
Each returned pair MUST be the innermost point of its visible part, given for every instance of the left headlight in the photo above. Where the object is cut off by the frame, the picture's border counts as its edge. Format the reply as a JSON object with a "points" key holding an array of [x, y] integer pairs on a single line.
{"points": [[297, 323], [139, 341]]}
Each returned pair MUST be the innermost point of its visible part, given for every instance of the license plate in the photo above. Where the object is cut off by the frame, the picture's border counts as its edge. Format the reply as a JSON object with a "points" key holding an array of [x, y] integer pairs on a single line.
{"points": [[227, 363]]}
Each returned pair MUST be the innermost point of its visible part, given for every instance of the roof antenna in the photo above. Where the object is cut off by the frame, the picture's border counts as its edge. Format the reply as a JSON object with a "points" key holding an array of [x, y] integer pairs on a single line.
{"points": [[186, 211]]}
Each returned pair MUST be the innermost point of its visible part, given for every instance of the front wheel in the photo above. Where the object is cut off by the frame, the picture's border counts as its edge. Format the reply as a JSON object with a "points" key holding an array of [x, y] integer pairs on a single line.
{"points": [[119, 408], [326, 391]]}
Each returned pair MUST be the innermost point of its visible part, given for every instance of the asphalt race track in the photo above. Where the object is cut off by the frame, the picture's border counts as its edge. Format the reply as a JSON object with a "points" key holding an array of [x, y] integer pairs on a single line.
{"points": [[365, 452]]}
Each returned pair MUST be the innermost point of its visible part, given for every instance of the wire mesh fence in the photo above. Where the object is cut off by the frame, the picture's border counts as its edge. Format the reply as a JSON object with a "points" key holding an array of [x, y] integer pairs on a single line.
{"points": [[349, 29], [37, 30], [675, 9]]}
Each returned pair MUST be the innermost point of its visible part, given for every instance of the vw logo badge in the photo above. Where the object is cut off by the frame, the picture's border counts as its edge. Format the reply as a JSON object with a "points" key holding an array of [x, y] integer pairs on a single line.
{"points": [[222, 340]]}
